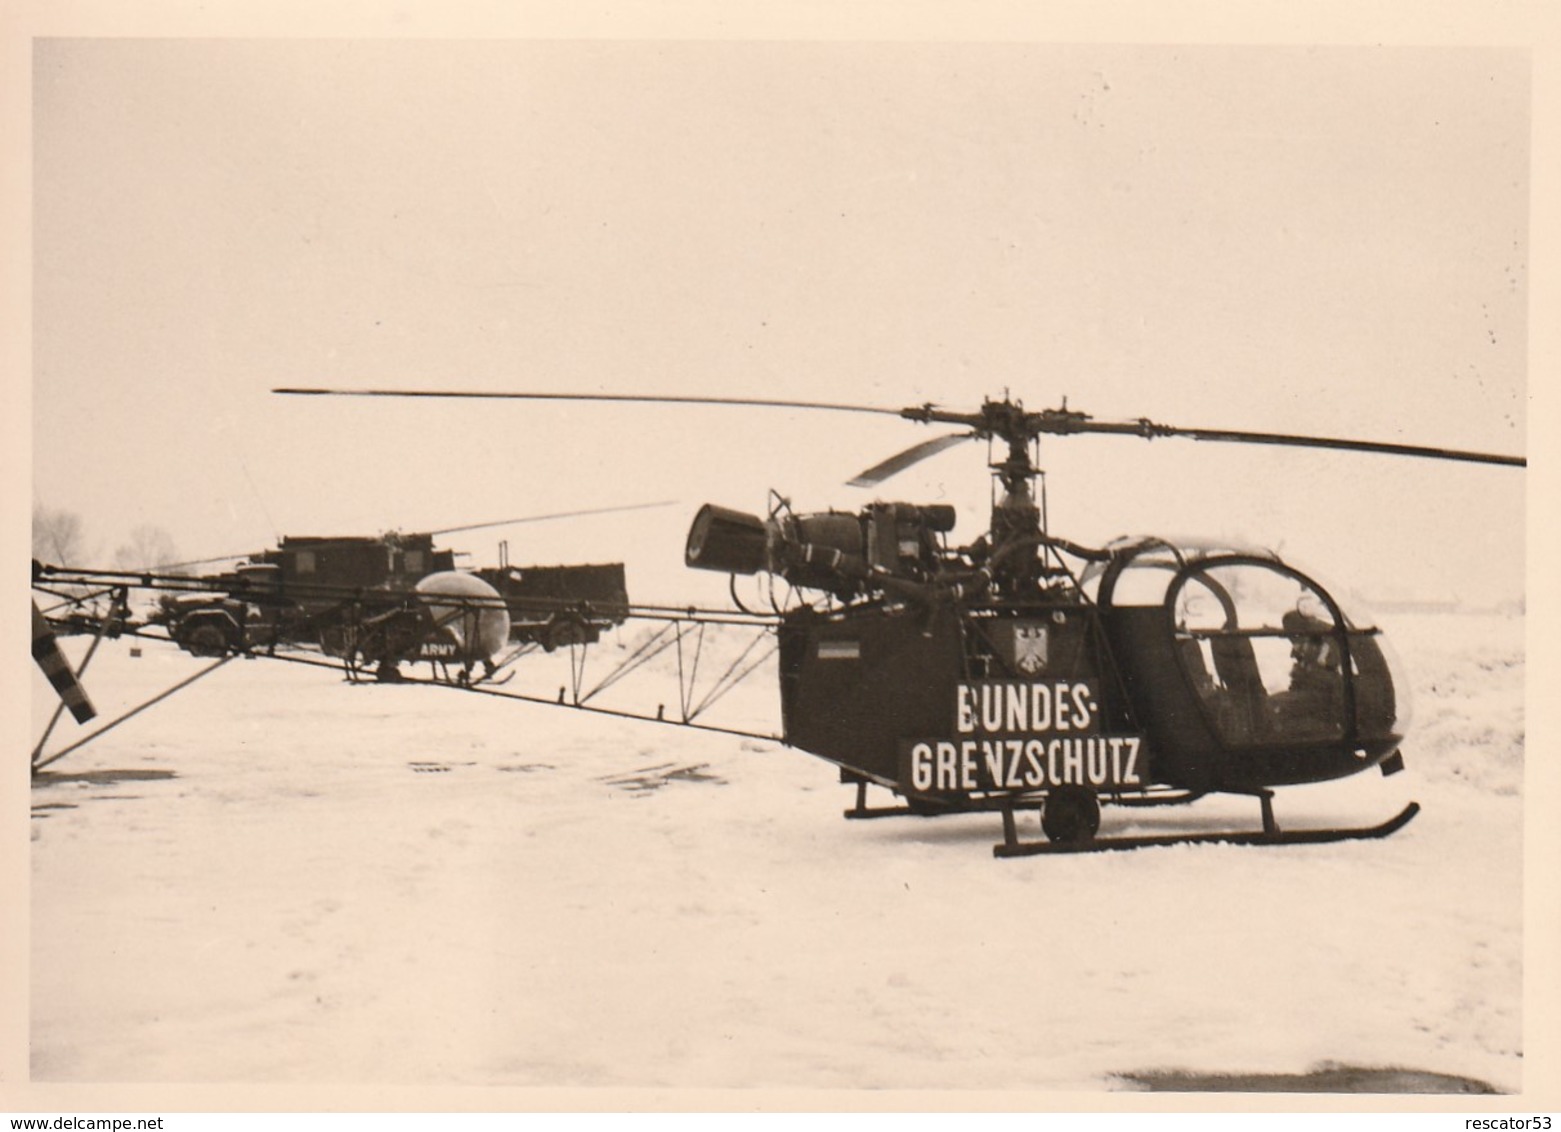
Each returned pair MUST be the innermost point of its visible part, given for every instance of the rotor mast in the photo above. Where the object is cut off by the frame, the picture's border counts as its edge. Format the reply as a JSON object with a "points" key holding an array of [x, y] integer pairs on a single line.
{"points": [[1017, 529]]}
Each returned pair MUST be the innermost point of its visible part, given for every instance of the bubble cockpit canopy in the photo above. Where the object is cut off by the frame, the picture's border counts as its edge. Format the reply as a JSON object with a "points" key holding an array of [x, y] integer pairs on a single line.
{"points": [[1272, 656]]}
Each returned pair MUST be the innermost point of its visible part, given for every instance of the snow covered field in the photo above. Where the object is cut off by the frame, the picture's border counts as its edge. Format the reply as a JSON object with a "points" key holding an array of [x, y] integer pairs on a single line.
{"points": [[278, 878]]}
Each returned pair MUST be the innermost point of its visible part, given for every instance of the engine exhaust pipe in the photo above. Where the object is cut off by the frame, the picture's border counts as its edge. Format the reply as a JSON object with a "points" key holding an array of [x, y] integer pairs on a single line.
{"points": [[729, 542]]}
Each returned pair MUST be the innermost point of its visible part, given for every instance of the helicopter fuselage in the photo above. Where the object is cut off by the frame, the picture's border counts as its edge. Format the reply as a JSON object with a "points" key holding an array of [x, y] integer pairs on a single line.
{"points": [[955, 679]]}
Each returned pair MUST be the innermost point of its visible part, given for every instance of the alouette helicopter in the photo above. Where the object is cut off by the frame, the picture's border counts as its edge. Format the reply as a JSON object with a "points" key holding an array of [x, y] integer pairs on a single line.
{"points": [[1026, 672]]}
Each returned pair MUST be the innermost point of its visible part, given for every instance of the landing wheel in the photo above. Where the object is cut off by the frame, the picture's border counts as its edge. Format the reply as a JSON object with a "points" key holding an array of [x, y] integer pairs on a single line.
{"points": [[1071, 815]]}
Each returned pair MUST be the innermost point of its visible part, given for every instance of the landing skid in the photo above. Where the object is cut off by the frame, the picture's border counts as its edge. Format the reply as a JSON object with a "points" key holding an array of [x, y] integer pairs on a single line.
{"points": [[927, 809], [1078, 837], [1012, 847], [861, 813], [443, 679], [935, 807]]}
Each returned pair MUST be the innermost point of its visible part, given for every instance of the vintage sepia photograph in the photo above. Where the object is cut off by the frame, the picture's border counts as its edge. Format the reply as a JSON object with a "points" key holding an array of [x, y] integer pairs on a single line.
{"points": [[867, 571]]}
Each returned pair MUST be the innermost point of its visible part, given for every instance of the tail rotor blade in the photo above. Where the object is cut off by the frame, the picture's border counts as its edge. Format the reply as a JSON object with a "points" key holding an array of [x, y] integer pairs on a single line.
{"points": [[50, 658]]}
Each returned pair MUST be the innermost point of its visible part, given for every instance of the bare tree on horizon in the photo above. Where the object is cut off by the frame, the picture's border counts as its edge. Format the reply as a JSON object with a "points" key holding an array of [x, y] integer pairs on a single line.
{"points": [[58, 536], [149, 547]]}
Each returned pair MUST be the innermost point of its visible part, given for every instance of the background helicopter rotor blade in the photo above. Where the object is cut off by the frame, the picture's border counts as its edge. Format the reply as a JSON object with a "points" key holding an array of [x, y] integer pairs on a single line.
{"points": [[467, 394], [1149, 430], [168, 567], [554, 515], [897, 463], [441, 531]]}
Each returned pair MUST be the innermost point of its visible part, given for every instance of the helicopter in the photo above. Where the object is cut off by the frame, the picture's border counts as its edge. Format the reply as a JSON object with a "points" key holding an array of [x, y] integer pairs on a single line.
{"points": [[1023, 671]]}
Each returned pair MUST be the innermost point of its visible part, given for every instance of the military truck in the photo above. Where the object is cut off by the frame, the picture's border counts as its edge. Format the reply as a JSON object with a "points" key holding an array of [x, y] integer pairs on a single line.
{"points": [[312, 590], [557, 606]]}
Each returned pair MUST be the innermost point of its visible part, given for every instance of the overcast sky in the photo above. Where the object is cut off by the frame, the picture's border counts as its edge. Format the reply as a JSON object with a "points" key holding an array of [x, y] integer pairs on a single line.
{"points": [[1327, 240]]}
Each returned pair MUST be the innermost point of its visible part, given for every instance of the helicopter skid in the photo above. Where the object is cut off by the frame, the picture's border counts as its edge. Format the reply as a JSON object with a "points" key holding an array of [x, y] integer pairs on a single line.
{"points": [[861, 813], [939, 807], [1011, 847]]}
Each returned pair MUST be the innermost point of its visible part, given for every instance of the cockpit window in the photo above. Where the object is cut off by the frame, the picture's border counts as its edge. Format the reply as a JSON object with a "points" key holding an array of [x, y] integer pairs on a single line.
{"points": [[1268, 652], [1272, 661]]}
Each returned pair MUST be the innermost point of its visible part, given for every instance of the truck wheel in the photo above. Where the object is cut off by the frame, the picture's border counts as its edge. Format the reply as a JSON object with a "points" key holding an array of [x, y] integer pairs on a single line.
{"points": [[564, 631], [207, 639]]}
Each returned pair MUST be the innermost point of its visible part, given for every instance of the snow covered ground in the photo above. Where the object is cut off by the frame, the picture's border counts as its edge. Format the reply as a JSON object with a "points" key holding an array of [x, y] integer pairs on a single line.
{"points": [[275, 877]]}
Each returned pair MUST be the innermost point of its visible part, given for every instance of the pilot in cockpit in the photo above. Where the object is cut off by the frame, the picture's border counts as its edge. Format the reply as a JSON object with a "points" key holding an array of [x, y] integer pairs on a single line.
{"points": [[1314, 701]]}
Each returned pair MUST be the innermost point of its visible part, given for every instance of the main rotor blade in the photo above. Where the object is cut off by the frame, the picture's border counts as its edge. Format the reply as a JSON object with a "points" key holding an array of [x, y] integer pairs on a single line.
{"points": [[896, 464], [466, 394], [997, 418], [555, 515], [1149, 429]]}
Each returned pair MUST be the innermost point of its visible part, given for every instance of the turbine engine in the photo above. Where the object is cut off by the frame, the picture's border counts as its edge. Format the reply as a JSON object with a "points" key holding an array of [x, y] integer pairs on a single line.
{"points": [[835, 551]]}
